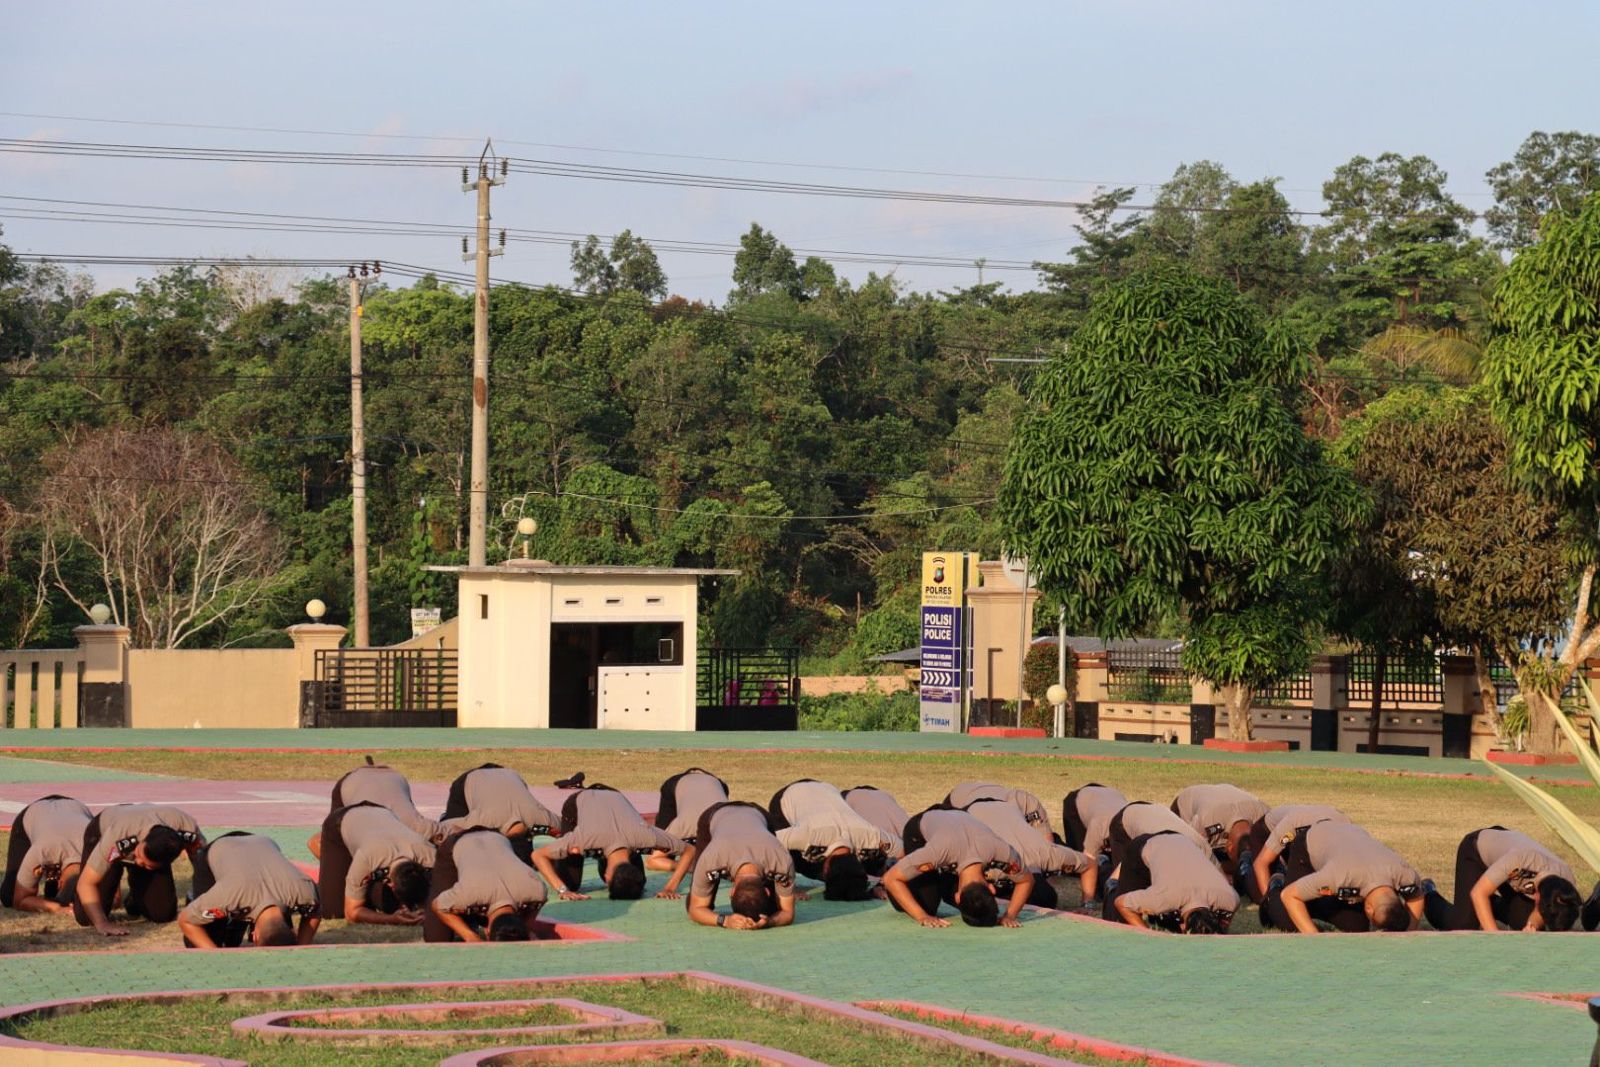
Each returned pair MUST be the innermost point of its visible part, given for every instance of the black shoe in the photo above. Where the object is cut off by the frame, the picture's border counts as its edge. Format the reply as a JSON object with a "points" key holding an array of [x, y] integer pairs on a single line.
{"points": [[1435, 908], [1247, 866], [1591, 909], [575, 782]]}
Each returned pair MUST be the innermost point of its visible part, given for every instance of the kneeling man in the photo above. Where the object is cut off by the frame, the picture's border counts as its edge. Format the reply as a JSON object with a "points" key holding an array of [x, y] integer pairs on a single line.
{"points": [[598, 821], [1032, 808], [733, 844], [1169, 883], [44, 855], [1044, 859], [496, 798], [828, 839], [950, 854], [244, 887], [145, 840], [1343, 876], [481, 889], [375, 869], [683, 799]]}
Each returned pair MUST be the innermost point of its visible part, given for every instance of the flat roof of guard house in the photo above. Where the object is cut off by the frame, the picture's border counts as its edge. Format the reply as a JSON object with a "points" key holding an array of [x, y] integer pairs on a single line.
{"points": [[544, 569]]}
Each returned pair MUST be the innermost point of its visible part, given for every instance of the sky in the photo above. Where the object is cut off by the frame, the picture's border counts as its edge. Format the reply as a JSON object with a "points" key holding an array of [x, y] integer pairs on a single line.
{"points": [[1032, 100]]}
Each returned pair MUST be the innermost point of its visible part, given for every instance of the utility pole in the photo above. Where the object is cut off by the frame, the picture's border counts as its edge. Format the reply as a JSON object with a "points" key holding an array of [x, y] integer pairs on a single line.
{"points": [[358, 461], [478, 494]]}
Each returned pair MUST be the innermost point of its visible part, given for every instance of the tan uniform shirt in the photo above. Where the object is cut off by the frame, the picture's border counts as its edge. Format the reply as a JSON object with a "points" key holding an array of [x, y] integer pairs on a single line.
{"points": [[1182, 878], [1096, 805], [388, 788], [956, 840], [1038, 855], [124, 826], [879, 808], [694, 793], [499, 799], [1349, 863], [378, 840], [1284, 821], [1213, 809], [1140, 818], [739, 835], [1032, 807], [1517, 860], [820, 821], [606, 821], [252, 876], [490, 876], [55, 839]]}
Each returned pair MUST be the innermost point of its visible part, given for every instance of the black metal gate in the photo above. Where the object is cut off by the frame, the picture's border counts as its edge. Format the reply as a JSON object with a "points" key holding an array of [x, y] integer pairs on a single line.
{"points": [[383, 687], [748, 689]]}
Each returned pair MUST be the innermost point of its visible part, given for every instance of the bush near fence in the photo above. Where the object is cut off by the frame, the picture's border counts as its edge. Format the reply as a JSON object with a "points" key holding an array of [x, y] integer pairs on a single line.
{"points": [[860, 711]]}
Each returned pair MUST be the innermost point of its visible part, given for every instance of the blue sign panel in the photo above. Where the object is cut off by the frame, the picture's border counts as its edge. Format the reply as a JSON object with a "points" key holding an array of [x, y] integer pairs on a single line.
{"points": [[941, 669]]}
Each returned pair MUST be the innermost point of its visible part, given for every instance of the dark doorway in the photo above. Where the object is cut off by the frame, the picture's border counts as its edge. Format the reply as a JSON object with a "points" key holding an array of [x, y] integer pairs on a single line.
{"points": [[577, 651]]}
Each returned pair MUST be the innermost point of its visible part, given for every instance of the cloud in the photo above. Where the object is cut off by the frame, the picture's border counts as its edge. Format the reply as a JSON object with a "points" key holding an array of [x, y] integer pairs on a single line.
{"points": [[32, 165], [800, 98]]}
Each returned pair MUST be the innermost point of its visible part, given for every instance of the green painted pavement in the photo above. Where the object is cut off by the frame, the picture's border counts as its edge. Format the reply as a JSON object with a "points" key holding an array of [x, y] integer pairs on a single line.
{"points": [[1248, 1000], [613, 740], [15, 771]]}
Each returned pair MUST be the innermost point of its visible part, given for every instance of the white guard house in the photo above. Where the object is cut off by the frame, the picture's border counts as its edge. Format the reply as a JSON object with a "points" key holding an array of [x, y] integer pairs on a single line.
{"points": [[542, 645]]}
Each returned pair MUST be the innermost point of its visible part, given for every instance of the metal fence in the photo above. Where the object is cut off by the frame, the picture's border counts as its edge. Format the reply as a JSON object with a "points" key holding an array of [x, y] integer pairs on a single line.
{"points": [[1294, 690], [1406, 679], [748, 677], [385, 687], [1148, 676]]}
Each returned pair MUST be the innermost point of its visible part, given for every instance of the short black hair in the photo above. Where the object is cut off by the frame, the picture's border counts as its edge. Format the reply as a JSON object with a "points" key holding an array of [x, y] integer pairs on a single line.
{"points": [[1558, 903], [977, 906], [845, 879], [1044, 894], [162, 844], [1391, 914], [410, 880], [508, 926], [1202, 921], [274, 932], [752, 898], [627, 881]]}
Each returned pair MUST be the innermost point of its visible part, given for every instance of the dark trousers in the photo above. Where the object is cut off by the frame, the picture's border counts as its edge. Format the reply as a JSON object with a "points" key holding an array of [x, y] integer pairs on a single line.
{"points": [[455, 804], [1346, 917], [151, 894], [667, 803], [1136, 876], [445, 875], [1508, 905], [225, 933], [570, 868], [1254, 842], [928, 890], [335, 868], [1118, 840], [1073, 828]]}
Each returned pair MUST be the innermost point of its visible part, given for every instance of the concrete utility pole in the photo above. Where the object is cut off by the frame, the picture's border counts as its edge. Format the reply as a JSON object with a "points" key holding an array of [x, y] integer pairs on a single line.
{"points": [[478, 494], [358, 462]]}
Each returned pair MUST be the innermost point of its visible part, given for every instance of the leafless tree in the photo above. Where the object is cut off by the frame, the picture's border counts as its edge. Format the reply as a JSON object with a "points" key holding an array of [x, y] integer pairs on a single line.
{"points": [[174, 530], [247, 283], [34, 605]]}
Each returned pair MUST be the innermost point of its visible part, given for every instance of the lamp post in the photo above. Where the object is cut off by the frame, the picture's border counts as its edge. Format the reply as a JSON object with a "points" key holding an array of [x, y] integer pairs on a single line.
{"points": [[527, 526], [1057, 695]]}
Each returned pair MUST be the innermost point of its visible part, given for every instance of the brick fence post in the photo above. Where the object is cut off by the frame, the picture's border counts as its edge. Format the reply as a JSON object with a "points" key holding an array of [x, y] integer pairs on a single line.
{"points": [[1330, 697], [103, 686], [309, 638], [1091, 670]]}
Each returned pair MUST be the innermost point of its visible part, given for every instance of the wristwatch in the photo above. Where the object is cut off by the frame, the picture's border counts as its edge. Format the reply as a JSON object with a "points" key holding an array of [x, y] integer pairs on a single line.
{"points": [[721, 919]]}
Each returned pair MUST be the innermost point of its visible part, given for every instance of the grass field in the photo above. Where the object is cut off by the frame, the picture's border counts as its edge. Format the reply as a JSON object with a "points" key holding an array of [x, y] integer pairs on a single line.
{"points": [[202, 1026]]}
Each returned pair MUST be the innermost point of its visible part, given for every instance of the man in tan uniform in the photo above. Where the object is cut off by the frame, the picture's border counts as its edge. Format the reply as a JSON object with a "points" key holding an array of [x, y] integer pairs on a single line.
{"points": [[1170, 883], [1113, 835], [828, 840], [733, 844], [1343, 876], [244, 887], [144, 840], [598, 821], [880, 808], [1224, 814], [388, 788], [497, 798], [481, 890], [1086, 805], [1274, 831], [44, 855], [1503, 876], [1032, 807], [684, 798], [951, 855], [375, 869], [1044, 859]]}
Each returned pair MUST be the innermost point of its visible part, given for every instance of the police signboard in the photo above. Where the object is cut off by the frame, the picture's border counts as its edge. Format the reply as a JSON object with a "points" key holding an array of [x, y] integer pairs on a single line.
{"points": [[944, 587]]}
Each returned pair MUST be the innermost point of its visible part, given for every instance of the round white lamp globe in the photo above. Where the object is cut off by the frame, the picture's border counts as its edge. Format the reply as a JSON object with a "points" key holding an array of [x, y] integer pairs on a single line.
{"points": [[99, 614], [315, 609], [1056, 694], [527, 526]]}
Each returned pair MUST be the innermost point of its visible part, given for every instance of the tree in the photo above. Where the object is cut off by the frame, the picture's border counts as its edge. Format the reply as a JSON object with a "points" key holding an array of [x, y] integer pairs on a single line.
{"points": [[1544, 385], [1457, 552], [631, 266], [1550, 172], [1164, 471], [763, 264], [179, 538], [1106, 241]]}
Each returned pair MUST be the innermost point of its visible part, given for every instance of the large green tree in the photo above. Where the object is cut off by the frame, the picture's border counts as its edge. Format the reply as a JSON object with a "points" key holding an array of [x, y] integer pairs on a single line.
{"points": [[1163, 471], [1550, 172], [1542, 369]]}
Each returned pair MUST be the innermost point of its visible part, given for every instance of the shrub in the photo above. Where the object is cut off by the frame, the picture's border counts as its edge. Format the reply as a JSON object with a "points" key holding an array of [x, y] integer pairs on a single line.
{"points": [[860, 711]]}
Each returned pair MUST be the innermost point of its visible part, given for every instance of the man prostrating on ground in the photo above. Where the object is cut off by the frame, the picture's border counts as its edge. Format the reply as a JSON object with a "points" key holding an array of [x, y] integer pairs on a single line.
{"points": [[144, 840], [950, 855], [375, 869], [598, 821], [733, 844]]}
